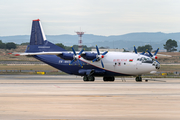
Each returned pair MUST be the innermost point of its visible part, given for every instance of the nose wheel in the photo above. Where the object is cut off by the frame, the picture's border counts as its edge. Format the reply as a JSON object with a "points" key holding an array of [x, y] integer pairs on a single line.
{"points": [[138, 79]]}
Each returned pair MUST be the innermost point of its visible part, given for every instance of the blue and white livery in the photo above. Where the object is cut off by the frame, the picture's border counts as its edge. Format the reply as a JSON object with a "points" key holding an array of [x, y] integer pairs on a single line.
{"points": [[89, 64]]}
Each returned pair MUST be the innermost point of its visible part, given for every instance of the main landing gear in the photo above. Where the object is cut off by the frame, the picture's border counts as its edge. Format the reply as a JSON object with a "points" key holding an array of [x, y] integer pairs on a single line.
{"points": [[88, 78], [138, 79]]}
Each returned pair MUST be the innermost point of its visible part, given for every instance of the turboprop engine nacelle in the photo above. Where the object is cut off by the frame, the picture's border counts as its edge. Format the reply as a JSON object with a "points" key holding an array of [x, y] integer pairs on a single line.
{"points": [[66, 56], [89, 56]]}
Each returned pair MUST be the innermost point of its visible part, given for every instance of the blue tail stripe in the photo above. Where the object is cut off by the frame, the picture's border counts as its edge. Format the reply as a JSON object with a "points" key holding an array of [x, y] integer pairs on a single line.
{"points": [[36, 34]]}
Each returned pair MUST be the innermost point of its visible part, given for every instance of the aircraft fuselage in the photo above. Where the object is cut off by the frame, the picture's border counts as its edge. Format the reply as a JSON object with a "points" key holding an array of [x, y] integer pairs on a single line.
{"points": [[115, 64]]}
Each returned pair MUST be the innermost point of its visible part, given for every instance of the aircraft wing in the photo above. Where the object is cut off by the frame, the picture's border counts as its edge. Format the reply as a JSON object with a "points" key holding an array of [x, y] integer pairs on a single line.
{"points": [[162, 55], [42, 53], [38, 53]]}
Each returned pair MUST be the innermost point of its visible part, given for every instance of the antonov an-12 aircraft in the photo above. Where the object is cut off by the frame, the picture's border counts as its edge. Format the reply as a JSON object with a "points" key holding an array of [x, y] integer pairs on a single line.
{"points": [[89, 64]]}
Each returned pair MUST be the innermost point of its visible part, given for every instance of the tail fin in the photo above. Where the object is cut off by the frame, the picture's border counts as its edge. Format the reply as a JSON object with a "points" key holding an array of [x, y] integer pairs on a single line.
{"points": [[37, 34], [38, 41]]}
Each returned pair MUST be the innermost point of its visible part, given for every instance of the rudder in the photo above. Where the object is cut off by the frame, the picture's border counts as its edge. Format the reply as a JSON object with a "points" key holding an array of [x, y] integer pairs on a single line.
{"points": [[37, 33]]}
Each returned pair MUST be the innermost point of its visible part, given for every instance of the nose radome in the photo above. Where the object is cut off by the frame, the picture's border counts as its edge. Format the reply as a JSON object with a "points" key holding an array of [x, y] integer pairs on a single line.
{"points": [[157, 66]]}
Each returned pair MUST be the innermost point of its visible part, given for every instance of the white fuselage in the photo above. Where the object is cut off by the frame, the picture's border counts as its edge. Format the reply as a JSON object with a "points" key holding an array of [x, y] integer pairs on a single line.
{"points": [[124, 63]]}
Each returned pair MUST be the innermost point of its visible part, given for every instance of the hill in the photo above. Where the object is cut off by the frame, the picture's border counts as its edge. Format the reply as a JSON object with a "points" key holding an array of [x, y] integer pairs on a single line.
{"points": [[126, 41]]}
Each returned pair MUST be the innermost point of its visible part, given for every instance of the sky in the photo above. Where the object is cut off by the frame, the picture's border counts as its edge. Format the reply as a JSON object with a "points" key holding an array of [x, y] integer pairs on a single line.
{"points": [[98, 17]]}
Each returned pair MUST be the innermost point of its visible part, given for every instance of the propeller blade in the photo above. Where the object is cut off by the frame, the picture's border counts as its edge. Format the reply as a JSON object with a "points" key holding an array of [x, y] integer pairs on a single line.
{"points": [[95, 59], [142, 53], [72, 61], [156, 51], [73, 51], [97, 50], [105, 53], [157, 61], [80, 63], [102, 64], [149, 53], [135, 50], [80, 52]]}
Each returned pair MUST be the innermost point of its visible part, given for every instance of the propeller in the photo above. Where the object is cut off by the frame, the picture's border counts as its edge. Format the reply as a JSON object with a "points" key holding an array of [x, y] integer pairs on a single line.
{"points": [[77, 57], [153, 56], [99, 56]]}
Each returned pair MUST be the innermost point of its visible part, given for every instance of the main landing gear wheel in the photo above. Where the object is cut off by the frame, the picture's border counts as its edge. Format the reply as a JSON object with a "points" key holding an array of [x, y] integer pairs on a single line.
{"points": [[88, 78], [108, 79], [139, 79]]}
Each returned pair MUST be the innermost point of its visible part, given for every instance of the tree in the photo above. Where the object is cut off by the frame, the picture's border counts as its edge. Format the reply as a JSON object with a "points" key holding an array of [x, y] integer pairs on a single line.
{"points": [[125, 50], [170, 45], [2, 45], [60, 45], [26, 43], [144, 48], [10, 45], [68, 48]]}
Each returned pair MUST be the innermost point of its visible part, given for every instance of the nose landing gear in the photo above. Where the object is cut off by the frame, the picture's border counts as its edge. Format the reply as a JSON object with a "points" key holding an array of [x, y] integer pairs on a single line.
{"points": [[138, 79]]}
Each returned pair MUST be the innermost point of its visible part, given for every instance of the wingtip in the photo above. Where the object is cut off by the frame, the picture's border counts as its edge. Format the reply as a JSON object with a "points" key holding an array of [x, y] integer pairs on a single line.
{"points": [[17, 55]]}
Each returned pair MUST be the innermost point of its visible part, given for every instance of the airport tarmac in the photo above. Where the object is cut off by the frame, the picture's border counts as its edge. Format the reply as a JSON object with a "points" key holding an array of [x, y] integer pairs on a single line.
{"points": [[63, 97]]}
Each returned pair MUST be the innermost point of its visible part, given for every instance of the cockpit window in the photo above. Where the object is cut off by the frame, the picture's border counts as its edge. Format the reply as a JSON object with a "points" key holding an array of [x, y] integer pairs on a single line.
{"points": [[145, 60]]}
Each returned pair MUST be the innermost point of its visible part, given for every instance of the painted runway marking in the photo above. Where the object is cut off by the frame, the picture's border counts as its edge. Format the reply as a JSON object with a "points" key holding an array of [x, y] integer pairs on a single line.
{"points": [[56, 86]]}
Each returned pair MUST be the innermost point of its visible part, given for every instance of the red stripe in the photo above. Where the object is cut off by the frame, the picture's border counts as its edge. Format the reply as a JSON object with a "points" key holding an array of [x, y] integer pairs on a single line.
{"points": [[105, 69], [17, 55]]}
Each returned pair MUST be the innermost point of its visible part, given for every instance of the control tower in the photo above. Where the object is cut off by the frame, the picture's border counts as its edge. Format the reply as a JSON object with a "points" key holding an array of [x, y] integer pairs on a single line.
{"points": [[80, 40]]}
